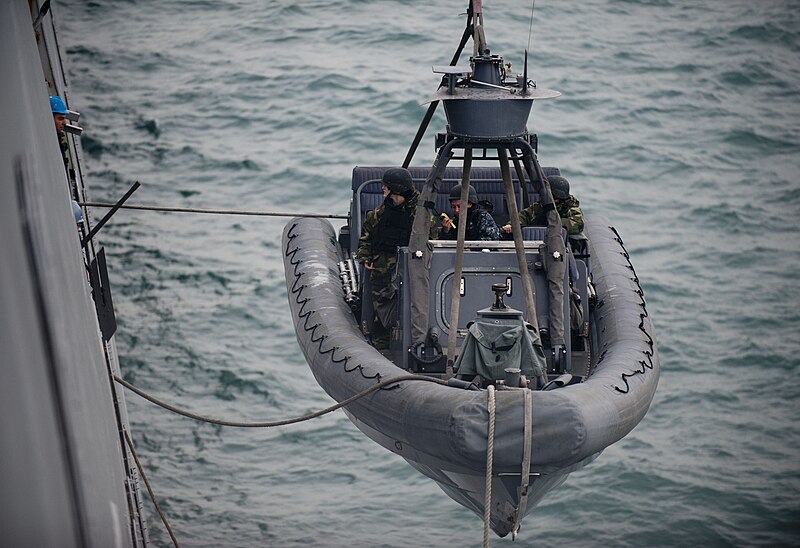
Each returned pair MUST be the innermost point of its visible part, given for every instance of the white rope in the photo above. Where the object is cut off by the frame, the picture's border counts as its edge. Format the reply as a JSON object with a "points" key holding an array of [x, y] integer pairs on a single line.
{"points": [[526, 461], [487, 502]]}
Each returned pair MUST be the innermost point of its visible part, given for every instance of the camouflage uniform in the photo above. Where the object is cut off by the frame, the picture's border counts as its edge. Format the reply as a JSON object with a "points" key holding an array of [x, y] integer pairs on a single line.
{"points": [[569, 209], [571, 218], [480, 226], [384, 261]]}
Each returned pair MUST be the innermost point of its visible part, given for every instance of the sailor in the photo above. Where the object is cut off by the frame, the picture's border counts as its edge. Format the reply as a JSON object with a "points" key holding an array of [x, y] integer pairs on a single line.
{"points": [[480, 225], [568, 207], [386, 228], [59, 110]]}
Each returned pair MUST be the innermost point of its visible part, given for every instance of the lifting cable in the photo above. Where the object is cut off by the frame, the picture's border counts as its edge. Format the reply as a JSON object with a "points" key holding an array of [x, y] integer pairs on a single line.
{"points": [[216, 211], [269, 424], [310, 416], [150, 488]]}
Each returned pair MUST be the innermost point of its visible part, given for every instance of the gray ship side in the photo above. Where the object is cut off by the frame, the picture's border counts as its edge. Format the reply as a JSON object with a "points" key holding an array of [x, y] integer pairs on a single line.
{"points": [[63, 463]]}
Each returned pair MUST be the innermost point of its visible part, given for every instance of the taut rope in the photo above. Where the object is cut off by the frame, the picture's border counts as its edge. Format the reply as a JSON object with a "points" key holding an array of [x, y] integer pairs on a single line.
{"points": [[217, 211]]}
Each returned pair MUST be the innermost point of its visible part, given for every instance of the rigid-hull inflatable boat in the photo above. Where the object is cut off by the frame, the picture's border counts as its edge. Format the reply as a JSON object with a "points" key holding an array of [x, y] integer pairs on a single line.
{"points": [[495, 443]]}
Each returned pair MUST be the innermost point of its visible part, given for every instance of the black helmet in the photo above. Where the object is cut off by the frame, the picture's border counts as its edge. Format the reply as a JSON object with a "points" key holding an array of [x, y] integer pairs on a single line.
{"points": [[559, 186], [398, 180], [472, 196]]}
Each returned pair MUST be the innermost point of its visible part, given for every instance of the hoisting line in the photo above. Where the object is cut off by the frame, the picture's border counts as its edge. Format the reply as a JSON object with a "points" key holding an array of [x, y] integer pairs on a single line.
{"points": [[149, 488], [269, 424], [216, 211], [487, 501]]}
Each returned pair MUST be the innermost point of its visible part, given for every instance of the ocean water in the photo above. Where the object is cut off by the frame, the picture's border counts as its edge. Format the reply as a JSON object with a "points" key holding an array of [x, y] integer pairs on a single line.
{"points": [[679, 123]]}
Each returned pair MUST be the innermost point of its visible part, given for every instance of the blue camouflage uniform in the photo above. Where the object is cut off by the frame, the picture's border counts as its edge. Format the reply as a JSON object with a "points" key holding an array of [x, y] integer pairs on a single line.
{"points": [[480, 226]]}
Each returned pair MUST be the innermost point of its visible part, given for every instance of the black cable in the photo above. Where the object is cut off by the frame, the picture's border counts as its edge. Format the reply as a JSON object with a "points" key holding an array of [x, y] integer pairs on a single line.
{"points": [[269, 424], [150, 488]]}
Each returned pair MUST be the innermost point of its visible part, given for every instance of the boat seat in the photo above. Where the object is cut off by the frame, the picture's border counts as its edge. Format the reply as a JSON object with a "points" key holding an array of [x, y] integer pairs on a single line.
{"points": [[489, 192], [368, 193], [539, 233], [371, 196]]}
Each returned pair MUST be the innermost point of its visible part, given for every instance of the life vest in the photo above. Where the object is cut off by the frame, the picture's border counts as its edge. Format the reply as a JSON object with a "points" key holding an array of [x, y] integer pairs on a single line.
{"points": [[393, 229]]}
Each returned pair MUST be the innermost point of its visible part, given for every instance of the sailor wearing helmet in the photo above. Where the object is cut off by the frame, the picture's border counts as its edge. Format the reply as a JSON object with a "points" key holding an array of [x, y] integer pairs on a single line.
{"points": [[386, 228], [480, 224]]}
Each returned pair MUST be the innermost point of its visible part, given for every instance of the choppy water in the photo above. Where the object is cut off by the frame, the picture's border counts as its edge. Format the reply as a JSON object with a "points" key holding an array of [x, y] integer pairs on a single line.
{"points": [[680, 122]]}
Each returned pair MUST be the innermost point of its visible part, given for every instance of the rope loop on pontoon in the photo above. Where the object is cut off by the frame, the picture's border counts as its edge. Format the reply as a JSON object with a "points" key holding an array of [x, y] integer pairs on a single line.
{"points": [[487, 501]]}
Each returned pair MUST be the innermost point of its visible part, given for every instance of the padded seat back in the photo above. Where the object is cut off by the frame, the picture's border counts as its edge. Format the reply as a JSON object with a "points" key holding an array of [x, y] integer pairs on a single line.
{"points": [[368, 193]]}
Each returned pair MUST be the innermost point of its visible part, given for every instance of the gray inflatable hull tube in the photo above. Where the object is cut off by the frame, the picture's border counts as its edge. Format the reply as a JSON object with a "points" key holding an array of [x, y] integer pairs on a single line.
{"points": [[442, 431]]}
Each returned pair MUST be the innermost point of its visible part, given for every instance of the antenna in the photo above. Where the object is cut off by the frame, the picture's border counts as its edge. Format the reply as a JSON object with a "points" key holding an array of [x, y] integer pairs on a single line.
{"points": [[525, 75], [530, 29]]}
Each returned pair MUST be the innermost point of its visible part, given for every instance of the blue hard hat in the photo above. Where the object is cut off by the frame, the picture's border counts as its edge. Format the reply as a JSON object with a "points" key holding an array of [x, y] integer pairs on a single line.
{"points": [[57, 105]]}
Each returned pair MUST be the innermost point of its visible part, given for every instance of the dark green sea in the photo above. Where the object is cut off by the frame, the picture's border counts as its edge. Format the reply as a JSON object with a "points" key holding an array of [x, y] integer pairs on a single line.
{"points": [[679, 123]]}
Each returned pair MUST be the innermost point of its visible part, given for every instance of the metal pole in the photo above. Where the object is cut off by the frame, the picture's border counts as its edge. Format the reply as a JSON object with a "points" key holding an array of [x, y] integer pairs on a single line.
{"points": [[432, 107], [418, 249], [554, 246], [526, 198], [516, 229], [455, 301], [108, 215]]}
